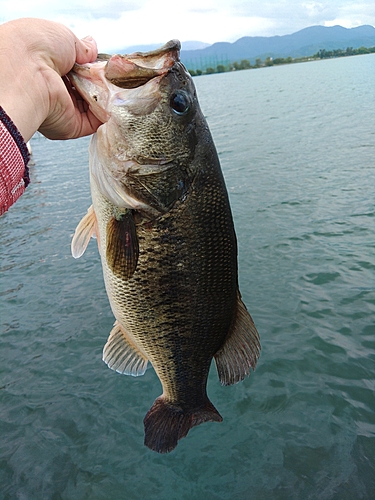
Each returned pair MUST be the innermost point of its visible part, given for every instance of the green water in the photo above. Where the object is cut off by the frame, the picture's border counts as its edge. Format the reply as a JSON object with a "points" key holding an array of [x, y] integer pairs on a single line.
{"points": [[297, 147]]}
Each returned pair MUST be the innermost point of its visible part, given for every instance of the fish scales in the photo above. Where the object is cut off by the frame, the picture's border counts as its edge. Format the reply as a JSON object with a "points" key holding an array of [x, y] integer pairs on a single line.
{"points": [[167, 242], [157, 302]]}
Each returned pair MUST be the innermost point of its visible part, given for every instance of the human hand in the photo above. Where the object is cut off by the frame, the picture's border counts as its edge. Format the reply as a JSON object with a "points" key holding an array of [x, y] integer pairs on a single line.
{"points": [[35, 56]]}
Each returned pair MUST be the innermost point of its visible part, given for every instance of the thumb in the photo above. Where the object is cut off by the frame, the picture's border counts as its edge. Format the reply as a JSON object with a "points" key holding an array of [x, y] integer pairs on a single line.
{"points": [[86, 50]]}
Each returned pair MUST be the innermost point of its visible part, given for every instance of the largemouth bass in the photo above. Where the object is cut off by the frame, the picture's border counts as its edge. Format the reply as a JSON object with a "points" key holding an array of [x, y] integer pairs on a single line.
{"points": [[161, 216]]}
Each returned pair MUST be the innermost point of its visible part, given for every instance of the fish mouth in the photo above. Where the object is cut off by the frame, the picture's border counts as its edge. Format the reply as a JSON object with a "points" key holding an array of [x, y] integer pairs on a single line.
{"points": [[105, 78], [132, 71]]}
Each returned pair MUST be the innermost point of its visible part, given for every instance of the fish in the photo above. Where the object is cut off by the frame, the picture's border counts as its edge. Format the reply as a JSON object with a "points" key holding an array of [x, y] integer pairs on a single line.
{"points": [[162, 219]]}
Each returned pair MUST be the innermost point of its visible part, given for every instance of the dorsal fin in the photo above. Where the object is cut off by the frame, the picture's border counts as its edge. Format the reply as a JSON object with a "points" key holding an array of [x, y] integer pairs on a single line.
{"points": [[121, 355], [241, 349], [86, 229]]}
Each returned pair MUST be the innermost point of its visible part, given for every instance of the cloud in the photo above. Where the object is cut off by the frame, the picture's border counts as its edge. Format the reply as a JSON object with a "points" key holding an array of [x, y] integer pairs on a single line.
{"points": [[70, 9], [117, 24], [351, 15], [279, 17], [96, 9]]}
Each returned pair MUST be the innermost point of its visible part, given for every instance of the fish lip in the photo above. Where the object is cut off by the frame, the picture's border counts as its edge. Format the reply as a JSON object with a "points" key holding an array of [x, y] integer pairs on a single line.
{"points": [[172, 45], [81, 73], [134, 70]]}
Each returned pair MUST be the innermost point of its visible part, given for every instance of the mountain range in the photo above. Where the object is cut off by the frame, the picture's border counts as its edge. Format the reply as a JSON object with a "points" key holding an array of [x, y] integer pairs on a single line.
{"points": [[305, 42]]}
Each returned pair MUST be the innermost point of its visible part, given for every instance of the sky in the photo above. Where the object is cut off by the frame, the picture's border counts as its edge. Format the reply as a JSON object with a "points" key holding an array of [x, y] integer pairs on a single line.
{"points": [[117, 24]]}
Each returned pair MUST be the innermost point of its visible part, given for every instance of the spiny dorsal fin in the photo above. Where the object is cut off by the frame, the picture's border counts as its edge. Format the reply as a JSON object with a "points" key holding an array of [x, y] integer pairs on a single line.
{"points": [[122, 245], [241, 349], [121, 355], [86, 229]]}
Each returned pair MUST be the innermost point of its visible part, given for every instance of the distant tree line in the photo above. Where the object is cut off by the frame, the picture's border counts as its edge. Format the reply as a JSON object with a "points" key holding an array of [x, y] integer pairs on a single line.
{"points": [[326, 54], [269, 61]]}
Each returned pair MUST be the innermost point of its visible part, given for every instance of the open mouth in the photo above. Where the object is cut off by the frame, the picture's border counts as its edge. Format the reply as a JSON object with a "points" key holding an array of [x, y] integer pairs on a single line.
{"points": [[100, 82], [134, 70]]}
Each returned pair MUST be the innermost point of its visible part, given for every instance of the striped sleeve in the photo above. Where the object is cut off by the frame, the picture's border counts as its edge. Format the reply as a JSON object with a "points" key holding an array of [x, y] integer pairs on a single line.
{"points": [[14, 157]]}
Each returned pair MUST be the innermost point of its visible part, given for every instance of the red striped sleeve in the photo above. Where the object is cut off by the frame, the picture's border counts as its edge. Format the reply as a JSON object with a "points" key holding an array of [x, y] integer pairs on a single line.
{"points": [[14, 156]]}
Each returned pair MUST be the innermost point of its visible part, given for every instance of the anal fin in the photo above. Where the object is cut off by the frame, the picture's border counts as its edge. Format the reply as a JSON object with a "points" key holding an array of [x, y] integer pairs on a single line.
{"points": [[121, 355], [241, 350]]}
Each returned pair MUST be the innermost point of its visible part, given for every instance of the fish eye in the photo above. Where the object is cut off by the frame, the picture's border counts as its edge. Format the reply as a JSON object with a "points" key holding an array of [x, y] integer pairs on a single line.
{"points": [[180, 103]]}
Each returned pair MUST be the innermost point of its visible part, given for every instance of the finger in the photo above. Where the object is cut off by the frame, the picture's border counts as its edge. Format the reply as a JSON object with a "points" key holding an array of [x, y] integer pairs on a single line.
{"points": [[71, 119], [74, 124], [86, 50]]}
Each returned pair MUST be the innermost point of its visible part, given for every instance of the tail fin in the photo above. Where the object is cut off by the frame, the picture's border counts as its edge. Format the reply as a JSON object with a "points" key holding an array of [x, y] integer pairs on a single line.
{"points": [[165, 424]]}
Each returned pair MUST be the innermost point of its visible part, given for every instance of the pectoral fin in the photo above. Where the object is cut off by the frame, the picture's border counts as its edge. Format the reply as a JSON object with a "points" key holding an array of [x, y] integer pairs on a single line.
{"points": [[241, 349], [121, 355], [86, 229], [122, 245]]}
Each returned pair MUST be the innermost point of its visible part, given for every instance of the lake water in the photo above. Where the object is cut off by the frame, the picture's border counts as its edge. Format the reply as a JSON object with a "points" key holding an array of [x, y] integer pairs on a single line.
{"points": [[297, 147]]}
